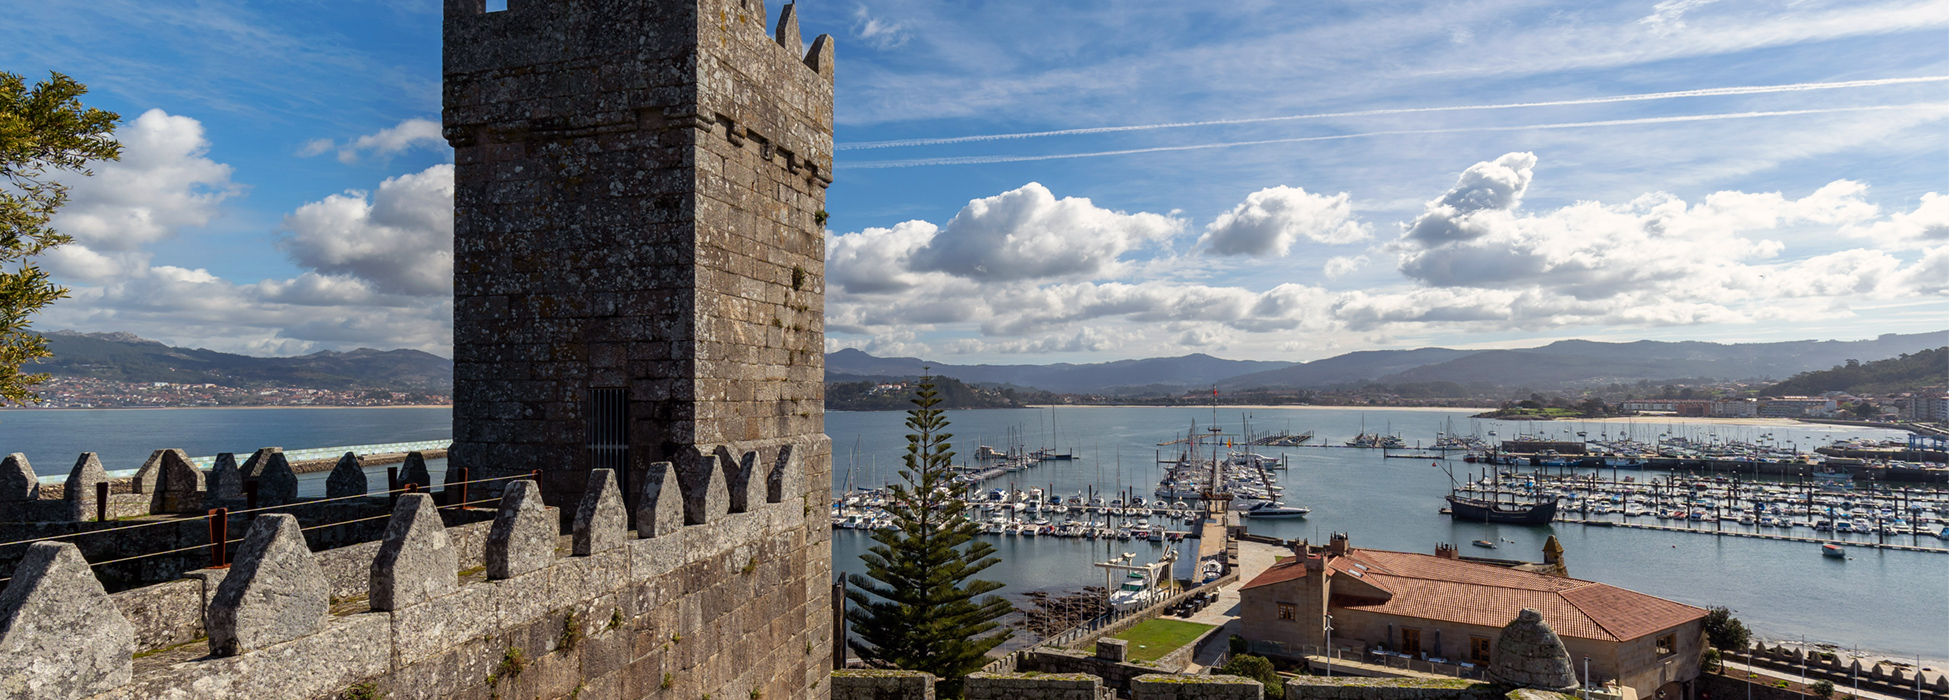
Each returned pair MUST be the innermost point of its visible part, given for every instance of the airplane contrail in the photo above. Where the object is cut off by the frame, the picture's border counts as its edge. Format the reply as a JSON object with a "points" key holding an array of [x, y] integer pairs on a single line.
{"points": [[1706, 92], [977, 160]]}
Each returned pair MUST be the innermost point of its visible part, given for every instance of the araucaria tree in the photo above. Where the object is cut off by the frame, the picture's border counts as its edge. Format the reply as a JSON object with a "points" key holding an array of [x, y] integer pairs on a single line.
{"points": [[42, 130], [918, 606]]}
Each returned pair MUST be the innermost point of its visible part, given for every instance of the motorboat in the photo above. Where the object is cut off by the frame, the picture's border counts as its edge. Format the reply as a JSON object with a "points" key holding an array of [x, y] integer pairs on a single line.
{"points": [[1275, 509]]}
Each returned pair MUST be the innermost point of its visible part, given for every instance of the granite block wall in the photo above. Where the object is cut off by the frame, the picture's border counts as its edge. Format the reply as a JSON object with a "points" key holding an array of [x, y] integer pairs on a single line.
{"points": [[715, 609], [638, 197], [874, 684], [639, 274], [1354, 688]]}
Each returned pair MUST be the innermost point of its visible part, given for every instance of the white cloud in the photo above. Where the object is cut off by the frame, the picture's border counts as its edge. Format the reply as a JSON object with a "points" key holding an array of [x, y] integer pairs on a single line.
{"points": [[163, 182], [401, 238], [877, 32], [1667, 17], [314, 147], [387, 142], [1088, 339], [1204, 337], [1271, 220], [377, 266], [1926, 227], [1475, 237], [876, 259], [1025, 233], [1496, 185], [1340, 265], [1657, 260]]}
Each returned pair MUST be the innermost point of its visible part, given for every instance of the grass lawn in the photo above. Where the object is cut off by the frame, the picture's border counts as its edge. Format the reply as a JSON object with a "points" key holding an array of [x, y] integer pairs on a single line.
{"points": [[1152, 639]]}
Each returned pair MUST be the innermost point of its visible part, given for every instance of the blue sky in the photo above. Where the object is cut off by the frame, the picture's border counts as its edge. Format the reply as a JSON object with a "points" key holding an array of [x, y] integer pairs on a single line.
{"points": [[1255, 180]]}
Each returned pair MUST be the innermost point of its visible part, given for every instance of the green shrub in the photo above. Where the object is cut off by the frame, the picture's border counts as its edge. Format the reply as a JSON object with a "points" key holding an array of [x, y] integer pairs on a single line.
{"points": [[571, 632], [1259, 669], [1823, 689], [512, 662]]}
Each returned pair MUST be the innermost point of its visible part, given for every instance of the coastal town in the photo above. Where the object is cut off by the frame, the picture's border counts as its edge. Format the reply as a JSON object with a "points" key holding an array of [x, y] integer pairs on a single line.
{"points": [[85, 392]]}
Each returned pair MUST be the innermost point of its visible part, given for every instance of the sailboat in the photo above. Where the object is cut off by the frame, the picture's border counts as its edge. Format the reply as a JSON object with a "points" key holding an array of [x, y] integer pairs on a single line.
{"points": [[1470, 508]]}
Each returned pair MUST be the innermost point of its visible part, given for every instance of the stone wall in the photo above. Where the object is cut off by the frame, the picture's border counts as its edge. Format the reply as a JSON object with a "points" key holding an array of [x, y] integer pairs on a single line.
{"points": [[172, 613], [113, 540], [707, 609], [1887, 680], [1163, 687], [1354, 688], [866, 684], [1035, 686], [1115, 675], [1712, 686]]}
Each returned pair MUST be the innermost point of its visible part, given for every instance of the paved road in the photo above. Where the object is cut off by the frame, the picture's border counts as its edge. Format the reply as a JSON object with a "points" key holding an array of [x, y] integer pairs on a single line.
{"points": [[1254, 558]]}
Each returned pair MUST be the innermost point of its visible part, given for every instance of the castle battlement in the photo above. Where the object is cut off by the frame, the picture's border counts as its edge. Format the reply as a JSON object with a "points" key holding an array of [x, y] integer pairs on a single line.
{"points": [[710, 65], [491, 608]]}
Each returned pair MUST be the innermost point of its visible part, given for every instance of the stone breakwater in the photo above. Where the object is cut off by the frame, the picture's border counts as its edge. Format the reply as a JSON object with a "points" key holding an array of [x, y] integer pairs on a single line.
{"points": [[727, 604]]}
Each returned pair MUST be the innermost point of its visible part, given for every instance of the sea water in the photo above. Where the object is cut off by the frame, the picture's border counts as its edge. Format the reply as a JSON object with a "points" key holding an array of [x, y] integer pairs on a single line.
{"points": [[1887, 601], [1894, 602]]}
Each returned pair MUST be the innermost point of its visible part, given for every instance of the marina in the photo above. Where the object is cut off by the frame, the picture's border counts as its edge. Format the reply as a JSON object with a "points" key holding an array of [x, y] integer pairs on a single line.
{"points": [[1397, 503]]}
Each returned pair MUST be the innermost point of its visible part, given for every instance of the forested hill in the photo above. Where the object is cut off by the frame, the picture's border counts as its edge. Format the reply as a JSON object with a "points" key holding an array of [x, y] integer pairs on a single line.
{"points": [[123, 357], [1908, 372], [897, 394]]}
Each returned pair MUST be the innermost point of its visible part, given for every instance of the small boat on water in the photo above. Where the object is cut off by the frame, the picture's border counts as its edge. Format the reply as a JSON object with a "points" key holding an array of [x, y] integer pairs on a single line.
{"points": [[1832, 550], [1486, 544], [1275, 509]]}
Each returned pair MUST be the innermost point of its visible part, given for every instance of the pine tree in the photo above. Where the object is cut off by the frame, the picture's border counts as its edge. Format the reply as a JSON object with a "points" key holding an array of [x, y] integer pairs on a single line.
{"points": [[918, 607], [42, 129]]}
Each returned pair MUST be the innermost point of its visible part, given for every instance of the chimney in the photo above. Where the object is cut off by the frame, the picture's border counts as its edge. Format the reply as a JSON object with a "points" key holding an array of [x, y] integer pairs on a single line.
{"points": [[1337, 544], [1445, 551]]}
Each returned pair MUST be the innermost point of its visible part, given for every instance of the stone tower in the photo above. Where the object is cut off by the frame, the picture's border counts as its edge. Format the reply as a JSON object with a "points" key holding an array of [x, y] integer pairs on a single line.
{"points": [[638, 254], [639, 274]]}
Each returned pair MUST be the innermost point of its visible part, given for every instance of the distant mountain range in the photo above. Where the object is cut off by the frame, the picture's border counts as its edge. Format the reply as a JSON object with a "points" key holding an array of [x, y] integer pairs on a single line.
{"points": [[1172, 372], [127, 358], [1568, 363], [1562, 364]]}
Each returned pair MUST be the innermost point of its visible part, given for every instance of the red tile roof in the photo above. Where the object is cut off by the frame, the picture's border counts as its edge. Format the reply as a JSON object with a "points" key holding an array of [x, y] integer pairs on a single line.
{"points": [[1282, 572], [1454, 590]]}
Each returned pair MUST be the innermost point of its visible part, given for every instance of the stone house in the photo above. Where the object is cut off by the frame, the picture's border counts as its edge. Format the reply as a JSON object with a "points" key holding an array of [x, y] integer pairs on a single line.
{"points": [[1445, 607]]}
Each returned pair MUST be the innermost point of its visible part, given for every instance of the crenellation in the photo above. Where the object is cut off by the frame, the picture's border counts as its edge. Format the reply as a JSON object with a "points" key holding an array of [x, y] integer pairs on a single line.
{"points": [[416, 562], [275, 591]]}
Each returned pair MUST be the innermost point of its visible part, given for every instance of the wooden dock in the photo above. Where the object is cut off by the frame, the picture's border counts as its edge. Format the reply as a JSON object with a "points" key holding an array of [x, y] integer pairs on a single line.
{"points": [[1755, 535]]}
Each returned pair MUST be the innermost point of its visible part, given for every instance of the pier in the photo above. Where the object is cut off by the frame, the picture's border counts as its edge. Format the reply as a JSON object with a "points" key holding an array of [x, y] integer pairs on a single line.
{"points": [[1756, 535]]}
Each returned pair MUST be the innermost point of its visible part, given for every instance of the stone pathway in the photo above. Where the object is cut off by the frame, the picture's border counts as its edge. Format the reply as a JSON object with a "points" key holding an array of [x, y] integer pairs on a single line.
{"points": [[1841, 689]]}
